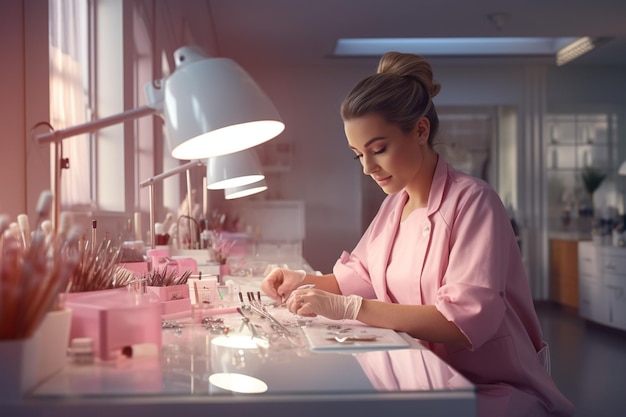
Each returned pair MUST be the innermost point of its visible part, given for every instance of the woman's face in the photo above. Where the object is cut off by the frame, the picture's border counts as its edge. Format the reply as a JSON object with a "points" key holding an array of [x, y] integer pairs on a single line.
{"points": [[390, 156]]}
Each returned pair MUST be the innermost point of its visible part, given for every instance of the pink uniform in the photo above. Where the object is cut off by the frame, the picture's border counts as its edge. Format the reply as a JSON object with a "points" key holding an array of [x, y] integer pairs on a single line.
{"points": [[460, 254]]}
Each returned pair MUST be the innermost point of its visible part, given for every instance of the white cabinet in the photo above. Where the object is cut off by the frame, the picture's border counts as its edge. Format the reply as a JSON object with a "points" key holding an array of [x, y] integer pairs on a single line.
{"points": [[602, 284], [613, 270], [591, 304]]}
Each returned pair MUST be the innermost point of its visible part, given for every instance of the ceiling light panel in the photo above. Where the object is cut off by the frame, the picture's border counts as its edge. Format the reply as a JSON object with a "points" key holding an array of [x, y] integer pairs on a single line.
{"points": [[451, 46]]}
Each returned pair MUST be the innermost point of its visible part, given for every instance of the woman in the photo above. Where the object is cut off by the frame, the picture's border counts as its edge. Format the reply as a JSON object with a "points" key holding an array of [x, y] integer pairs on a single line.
{"points": [[440, 260]]}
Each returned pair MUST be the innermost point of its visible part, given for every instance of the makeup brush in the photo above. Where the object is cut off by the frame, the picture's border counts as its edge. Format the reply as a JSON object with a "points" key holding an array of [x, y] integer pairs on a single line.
{"points": [[24, 225], [46, 227], [99, 270], [65, 222], [94, 228], [13, 232], [71, 252], [4, 225], [50, 279], [44, 206]]}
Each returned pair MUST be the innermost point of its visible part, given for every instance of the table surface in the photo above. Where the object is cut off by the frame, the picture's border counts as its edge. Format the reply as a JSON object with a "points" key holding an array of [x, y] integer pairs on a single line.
{"points": [[199, 363]]}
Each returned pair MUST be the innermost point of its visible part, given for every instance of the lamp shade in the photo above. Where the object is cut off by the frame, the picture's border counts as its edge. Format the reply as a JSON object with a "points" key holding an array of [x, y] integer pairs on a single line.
{"points": [[211, 107], [233, 170], [245, 190]]}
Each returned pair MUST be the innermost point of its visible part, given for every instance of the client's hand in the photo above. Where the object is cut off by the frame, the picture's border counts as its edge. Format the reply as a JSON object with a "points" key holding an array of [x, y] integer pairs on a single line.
{"points": [[279, 283], [312, 302]]}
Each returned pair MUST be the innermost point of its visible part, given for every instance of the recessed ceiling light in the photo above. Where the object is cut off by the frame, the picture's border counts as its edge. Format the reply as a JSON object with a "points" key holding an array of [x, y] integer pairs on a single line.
{"points": [[450, 47], [577, 49]]}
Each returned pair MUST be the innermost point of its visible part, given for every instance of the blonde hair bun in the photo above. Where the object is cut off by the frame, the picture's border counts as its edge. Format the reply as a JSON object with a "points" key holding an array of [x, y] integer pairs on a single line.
{"points": [[411, 66]]}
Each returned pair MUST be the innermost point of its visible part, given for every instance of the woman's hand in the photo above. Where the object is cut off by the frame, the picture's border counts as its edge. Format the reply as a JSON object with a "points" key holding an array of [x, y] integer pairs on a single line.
{"points": [[279, 283], [312, 302]]}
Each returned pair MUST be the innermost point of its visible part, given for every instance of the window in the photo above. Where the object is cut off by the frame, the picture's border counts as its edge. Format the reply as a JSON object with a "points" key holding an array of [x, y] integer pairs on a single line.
{"points": [[102, 54], [79, 79], [143, 160], [70, 93]]}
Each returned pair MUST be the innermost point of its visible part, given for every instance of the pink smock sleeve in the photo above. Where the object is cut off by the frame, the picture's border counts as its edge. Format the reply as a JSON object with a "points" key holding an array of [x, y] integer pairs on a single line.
{"points": [[352, 274], [473, 285], [354, 271]]}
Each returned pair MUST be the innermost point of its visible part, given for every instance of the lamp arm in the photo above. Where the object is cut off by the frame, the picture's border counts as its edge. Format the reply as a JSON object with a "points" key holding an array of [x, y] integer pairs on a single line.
{"points": [[56, 136], [95, 125], [150, 183], [173, 171]]}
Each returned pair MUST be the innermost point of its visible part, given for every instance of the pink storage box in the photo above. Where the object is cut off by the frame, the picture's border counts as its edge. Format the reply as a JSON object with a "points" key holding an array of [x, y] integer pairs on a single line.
{"points": [[170, 293], [173, 299], [175, 309], [114, 319], [161, 258], [184, 264]]}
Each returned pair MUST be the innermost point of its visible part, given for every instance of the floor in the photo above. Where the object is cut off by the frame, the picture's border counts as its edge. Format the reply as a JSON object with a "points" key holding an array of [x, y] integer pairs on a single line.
{"points": [[588, 361]]}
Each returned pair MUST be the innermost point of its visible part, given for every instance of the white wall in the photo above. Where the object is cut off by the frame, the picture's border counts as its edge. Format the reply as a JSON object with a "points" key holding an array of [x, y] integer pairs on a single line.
{"points": [[324, 173]]}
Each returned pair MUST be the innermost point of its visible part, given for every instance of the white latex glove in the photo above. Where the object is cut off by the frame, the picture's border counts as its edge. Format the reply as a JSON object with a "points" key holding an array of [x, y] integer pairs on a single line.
{"points": [[279, 283], [312, 302]]}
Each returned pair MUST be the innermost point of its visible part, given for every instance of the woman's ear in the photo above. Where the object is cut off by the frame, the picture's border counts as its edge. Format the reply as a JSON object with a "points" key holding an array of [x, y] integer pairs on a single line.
{"points": [[422, 130]]}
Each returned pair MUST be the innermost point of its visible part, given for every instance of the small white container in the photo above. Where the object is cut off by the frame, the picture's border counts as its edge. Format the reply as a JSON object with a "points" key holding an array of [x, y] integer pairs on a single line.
{"points": [[81, 351], [206, 291], [18, 359]]}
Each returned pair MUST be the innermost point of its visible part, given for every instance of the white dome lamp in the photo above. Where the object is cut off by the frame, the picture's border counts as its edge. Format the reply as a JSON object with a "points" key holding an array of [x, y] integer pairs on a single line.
{"points": [[212, 107], [233, 170]]}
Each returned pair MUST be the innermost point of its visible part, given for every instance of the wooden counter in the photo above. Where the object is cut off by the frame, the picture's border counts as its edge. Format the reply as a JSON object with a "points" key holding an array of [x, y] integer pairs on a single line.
{"points": [[564, 271]]}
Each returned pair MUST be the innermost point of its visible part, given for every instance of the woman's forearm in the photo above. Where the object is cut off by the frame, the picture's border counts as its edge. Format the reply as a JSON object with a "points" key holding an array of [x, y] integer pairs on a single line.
{"points": [[326, 282], [423, 322]]}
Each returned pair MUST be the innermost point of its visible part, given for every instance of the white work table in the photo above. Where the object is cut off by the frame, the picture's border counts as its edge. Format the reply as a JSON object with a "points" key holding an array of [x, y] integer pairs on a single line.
{"points": [[339, 380]]}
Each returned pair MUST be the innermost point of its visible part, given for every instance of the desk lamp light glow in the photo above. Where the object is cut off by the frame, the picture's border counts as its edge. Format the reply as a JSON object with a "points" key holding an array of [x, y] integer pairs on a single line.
{"points": [[210, 106], [245, 190]]}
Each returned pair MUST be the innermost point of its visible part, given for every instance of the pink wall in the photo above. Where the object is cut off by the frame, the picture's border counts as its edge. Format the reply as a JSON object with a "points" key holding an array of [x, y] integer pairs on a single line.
{"points": [[12, 110], [24, 164]]}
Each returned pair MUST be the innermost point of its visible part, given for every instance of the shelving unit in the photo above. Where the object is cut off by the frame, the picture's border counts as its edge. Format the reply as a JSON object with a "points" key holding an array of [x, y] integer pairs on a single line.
{"points": [[573, 142]]}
